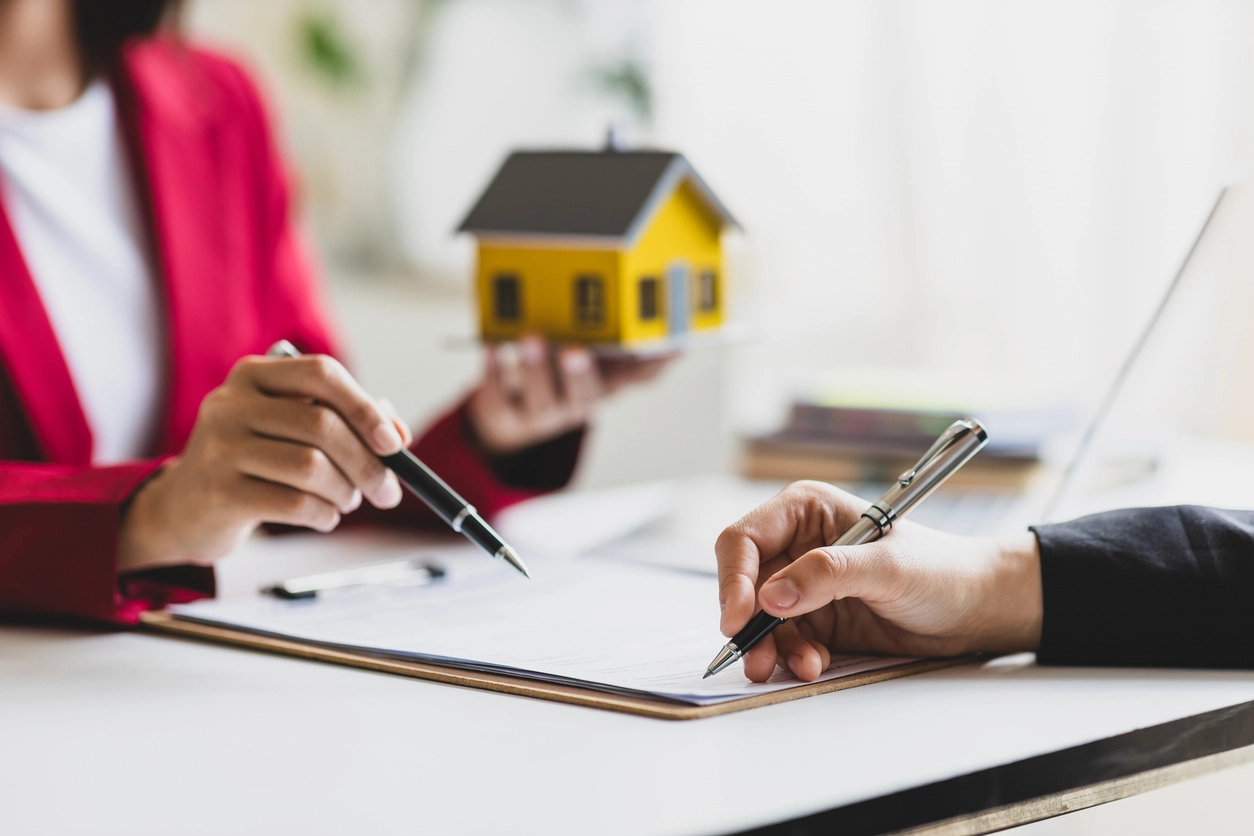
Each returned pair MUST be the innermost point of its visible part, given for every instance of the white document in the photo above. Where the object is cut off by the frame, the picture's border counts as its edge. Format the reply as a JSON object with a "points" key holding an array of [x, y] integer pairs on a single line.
{"points": [[575, 522], [603, 624]]}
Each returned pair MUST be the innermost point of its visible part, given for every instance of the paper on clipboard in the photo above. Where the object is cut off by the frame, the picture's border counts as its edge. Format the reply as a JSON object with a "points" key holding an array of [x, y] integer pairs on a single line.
{"points": [[601, 624]]}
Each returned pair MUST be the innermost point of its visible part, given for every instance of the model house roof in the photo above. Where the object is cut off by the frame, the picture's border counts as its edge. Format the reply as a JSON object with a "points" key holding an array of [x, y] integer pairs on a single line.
{"points": [[601, 194]]}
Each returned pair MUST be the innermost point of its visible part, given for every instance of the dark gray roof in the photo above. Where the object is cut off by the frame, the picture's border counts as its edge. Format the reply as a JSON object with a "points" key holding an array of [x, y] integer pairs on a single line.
{"points": [[594, 193]]}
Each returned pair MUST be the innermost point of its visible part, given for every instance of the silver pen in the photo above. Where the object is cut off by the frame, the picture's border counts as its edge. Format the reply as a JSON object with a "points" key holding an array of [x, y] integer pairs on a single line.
{"points": [[435, 492], [951, 450]]}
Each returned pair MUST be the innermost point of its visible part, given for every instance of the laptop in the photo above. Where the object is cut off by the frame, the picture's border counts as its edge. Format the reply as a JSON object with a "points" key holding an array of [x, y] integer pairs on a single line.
{"points": [[1105, 457]]}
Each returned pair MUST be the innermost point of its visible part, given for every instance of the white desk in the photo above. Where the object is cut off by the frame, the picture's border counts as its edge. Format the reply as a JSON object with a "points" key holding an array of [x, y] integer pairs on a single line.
{"points": [[136, 733]]}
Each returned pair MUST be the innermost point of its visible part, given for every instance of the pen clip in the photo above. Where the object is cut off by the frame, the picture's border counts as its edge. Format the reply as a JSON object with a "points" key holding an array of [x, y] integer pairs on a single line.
{"points": [[947, 439]]}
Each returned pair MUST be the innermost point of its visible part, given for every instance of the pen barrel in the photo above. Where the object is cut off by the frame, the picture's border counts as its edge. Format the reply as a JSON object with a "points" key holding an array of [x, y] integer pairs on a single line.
{"points": [[428, 487], [916, 485]]}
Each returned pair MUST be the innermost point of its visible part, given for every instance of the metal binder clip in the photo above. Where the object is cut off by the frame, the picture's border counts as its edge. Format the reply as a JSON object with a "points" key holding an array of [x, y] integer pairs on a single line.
{"points": [[398, 573]]}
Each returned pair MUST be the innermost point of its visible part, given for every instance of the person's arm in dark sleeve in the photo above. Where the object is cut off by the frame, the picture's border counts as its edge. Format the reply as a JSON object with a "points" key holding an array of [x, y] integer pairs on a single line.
{"points": [[1165, 587]]}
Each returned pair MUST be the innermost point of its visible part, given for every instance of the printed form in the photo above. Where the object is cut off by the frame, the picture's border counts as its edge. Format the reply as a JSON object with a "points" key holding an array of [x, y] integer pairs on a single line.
{"points": [[613, 626]]}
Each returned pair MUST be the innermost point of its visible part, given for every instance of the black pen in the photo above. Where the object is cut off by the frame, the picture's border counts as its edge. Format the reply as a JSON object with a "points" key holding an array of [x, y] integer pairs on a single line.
{"points": [[435, 492], [952, 450]]}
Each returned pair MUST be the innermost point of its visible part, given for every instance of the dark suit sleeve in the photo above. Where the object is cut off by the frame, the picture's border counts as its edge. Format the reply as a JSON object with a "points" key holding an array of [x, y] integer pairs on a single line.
{"points": [[1167, 587]]}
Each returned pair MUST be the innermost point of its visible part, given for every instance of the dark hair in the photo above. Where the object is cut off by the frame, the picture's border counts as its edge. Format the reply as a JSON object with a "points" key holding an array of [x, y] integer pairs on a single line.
{"points": [[102, 27]]}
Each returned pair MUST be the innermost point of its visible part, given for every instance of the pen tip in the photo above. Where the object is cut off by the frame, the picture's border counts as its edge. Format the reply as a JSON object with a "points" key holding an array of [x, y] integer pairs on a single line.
{"points": [[708, 674], [511, 557]]}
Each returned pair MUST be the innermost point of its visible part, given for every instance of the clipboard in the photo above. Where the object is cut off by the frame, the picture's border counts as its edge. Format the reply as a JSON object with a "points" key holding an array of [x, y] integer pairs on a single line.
{"points": [[656, 707]]}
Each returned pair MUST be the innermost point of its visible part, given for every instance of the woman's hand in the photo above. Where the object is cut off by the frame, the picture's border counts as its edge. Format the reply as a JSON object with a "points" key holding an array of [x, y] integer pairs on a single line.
{"points": [[917, 591], [534, 394], [283, 440]]}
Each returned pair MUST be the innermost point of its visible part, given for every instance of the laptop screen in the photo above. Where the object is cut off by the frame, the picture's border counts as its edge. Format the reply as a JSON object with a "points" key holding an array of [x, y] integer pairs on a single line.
{"points": [[1176, 424]]}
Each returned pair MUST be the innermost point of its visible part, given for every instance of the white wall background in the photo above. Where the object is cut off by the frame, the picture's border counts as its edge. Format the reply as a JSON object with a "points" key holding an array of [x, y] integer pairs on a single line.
{"points": [[998, 187], [1004, 186]]}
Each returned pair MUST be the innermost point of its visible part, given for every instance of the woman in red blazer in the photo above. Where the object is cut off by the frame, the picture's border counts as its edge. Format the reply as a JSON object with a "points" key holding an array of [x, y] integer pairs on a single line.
{"points": [[238, 438]]}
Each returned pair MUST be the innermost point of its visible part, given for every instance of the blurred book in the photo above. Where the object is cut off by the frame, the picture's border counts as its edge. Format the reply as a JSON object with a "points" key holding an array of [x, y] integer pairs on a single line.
{"points": [[869, 434]]}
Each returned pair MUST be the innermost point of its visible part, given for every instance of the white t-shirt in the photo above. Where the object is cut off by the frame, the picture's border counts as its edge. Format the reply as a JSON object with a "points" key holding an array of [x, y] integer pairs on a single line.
{"points": [[65, 180]]}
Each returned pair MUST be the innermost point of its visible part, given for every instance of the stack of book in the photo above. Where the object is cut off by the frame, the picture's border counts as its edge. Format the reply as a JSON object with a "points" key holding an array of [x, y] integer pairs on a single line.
{"points": [[837, 443]]}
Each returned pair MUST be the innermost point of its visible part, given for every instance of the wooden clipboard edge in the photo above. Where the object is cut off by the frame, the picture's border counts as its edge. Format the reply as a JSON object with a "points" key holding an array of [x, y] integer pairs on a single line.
{"points": [[167, 623]]}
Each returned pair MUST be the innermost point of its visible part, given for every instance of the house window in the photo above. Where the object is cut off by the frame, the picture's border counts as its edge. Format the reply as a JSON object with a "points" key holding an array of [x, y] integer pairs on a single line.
{"points": [[506, 297], [589, 301], [707, 291], [648, 298]]}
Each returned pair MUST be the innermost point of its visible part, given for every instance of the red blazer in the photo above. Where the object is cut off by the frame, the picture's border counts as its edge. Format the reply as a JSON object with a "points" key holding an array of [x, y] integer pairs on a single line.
{"points": [[235, 279]]}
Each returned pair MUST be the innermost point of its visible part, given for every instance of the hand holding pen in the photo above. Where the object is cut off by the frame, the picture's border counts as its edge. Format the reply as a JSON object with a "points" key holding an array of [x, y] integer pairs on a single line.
{"points": [[435, 493], [285, 439], [295, 442], [916, 592]]}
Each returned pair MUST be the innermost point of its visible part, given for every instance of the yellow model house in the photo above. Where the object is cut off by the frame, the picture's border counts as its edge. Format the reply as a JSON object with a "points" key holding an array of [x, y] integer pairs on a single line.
{"points": [[614, 248]]}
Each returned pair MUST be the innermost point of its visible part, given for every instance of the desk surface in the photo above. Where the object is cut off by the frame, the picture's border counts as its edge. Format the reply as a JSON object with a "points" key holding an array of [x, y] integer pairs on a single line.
{"points": [[109, 730]]}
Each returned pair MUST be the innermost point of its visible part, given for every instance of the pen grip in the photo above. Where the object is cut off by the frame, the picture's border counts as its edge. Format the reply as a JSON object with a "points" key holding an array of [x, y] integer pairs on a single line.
{"points": [[428, 487], [442, 499], [863, 531], [756, 630], [482, 534]]}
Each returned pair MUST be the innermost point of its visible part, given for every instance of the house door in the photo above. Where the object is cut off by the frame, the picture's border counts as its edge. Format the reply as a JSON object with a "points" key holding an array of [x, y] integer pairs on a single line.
{"points": [[679, 308]]}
